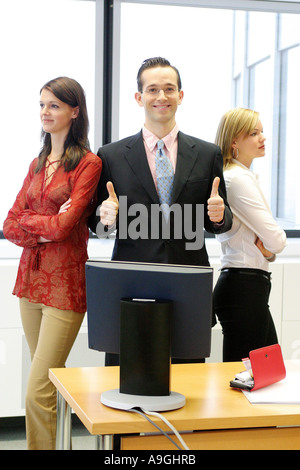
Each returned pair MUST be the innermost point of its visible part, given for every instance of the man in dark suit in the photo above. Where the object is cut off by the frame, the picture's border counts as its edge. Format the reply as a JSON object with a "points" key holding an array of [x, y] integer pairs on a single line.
{"points": [[128, 185]]}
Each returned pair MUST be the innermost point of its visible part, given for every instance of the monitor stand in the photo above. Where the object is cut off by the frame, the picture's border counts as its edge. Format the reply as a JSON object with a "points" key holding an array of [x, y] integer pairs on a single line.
{"points": [[123, 401], [144, 358]]}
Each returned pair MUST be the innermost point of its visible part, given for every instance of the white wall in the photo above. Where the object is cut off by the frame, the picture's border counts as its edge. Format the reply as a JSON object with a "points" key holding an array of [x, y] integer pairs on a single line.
{"points": [[14, 354]]}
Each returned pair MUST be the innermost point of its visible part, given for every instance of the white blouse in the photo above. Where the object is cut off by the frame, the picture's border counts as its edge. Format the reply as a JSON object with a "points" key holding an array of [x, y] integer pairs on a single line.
{"points": [[252, 218]]}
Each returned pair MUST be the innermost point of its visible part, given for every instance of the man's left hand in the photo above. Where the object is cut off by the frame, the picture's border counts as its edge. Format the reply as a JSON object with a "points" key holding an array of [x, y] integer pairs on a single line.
{"points": [[215, 204]]}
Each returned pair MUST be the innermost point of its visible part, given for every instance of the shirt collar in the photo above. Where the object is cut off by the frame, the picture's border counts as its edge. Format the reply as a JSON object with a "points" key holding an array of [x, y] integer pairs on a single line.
{"points": [[245, 167], [151, 139]]}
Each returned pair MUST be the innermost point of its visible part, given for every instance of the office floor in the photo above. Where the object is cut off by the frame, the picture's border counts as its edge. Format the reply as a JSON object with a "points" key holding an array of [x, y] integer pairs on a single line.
{"points": [[13, 437]]}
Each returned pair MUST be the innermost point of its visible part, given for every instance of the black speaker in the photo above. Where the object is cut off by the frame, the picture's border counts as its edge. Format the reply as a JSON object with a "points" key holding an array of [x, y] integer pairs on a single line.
{"points": [[145, 347]]}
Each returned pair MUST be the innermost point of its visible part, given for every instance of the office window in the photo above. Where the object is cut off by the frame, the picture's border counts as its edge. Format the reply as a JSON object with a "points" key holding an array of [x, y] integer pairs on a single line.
{"points": [[270, 75], [198, 42], [289, 30], [227, 58], [40, 40], [261, 99], [288, 191], [260, 36]]}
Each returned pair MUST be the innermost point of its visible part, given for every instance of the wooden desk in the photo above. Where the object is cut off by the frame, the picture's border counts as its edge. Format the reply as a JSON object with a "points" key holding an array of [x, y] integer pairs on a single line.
{"points": [[223, 416]]}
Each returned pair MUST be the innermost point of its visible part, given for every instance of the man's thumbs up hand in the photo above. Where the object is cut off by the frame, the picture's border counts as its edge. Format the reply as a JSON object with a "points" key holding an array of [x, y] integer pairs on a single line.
{"points": [[215, 204], [110, 207]]}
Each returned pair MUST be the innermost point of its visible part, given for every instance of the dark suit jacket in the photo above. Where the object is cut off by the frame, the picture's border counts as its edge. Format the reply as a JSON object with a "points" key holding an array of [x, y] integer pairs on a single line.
{"points": [[125, 164]]}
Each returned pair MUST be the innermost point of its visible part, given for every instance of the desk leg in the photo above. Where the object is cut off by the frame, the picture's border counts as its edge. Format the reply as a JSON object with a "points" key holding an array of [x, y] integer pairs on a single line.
{"points": [[104, 442], [63, 424]]}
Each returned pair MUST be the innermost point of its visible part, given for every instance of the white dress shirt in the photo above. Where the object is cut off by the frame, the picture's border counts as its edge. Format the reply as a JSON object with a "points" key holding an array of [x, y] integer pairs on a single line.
{"points": [[252, 218]]}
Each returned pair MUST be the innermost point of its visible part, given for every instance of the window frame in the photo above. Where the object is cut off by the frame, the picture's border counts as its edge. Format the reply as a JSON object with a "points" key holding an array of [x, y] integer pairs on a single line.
{"points": [[244, 5]]}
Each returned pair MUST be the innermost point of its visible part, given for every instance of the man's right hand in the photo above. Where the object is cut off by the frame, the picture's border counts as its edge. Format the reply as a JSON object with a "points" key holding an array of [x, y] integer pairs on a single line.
{"points": [[110, 207]]}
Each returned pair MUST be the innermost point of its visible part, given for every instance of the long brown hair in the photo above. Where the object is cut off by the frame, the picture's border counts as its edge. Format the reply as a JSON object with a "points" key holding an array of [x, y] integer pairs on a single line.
{"points": [[76, 144]]}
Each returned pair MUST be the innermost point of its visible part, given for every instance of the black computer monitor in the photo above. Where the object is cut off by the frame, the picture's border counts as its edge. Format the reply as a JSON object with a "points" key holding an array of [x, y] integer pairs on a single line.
{"points": [[188, 287]]}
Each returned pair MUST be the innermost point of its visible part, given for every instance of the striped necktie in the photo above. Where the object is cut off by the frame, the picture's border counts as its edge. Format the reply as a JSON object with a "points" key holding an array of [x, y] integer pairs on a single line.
{"points": [[164, 178]]}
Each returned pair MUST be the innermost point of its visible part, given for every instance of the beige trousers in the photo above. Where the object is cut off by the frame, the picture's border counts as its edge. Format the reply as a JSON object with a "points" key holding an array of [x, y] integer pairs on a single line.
{"points": [[50, 333]]}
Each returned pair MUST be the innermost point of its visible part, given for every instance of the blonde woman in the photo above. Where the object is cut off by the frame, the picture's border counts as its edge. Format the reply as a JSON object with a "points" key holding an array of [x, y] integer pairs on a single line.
{"points": [[242, 291]]}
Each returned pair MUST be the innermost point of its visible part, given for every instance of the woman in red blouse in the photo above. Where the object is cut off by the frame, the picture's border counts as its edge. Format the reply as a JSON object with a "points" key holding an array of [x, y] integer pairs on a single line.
{"points": [[49, 220]]}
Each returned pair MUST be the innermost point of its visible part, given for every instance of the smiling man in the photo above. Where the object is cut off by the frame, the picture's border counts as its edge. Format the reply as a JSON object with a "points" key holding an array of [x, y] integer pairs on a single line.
{"points": [[159, 92], [132, 170]]}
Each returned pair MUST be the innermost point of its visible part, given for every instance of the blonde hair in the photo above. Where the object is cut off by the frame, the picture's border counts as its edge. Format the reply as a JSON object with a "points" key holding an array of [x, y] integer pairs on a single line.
{"points": [[236, 122]]}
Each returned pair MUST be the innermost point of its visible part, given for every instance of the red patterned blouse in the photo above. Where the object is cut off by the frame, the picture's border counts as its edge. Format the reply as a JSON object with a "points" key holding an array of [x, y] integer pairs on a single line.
{"points": [[53, 273]]}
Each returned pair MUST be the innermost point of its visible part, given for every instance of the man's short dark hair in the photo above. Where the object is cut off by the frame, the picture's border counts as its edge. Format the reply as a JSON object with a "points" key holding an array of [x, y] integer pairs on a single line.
{"points": [[155, 62]]}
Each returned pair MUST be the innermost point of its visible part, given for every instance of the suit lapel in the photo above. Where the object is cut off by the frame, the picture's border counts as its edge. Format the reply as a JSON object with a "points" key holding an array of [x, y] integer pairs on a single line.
{"points": [[186, 158], [136, 157]]}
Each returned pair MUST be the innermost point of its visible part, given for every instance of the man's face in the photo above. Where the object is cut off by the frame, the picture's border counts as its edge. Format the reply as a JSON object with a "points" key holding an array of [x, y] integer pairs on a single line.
{"points": [[160, 96]]}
